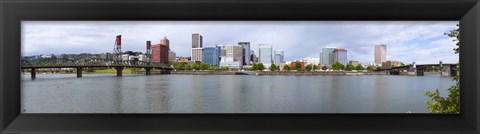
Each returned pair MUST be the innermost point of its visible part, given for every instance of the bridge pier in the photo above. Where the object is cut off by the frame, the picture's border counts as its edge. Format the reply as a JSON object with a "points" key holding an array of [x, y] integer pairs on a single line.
{"points": [[148, 71], [448, 71], [419, 72], [79, 72], [33, 73], [119, 71]]}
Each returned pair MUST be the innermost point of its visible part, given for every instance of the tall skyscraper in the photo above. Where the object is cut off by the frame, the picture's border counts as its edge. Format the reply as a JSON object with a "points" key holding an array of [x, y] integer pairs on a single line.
{"points": [[211, 55], [340, 55], [326, 57], [197, 40], [235, 52], [246, 52], [197, 44], [165, 42], [278, 57], [265, 54], [380, 54]]}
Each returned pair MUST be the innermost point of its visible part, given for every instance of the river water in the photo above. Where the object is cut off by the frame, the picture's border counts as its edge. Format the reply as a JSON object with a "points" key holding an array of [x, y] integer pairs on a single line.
{"points": [[106, 93]]}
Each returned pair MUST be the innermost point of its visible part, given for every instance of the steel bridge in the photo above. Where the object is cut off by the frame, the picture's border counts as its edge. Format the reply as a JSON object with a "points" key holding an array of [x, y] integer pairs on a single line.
{"points": [[118, 68], [418, 70]]}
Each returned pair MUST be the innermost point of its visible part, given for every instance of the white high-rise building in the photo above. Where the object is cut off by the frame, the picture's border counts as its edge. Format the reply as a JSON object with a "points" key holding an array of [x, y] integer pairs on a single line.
{"points": [[197, 44], [380, 54], [265, 54], [197, 54]]}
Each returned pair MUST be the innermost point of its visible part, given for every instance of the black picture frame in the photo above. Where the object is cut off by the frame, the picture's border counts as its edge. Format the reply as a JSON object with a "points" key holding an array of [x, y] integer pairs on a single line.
{"points": [[14, 11]]}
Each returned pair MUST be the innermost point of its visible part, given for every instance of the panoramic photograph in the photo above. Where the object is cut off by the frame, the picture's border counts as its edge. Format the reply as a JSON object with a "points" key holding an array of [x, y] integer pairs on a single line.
{"points": [[404, 67]]}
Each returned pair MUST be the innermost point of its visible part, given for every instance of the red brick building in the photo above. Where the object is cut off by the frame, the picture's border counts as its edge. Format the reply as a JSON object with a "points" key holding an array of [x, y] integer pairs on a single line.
{"points": [[292, 64], [160, 53]]}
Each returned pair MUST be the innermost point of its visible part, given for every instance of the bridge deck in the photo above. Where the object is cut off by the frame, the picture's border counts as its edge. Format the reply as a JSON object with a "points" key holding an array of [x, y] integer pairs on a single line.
{"points": [[90, 66]]}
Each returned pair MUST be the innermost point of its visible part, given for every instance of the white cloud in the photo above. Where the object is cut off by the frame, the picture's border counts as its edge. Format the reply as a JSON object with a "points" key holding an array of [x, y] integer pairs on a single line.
{"points": [[299, 39]]}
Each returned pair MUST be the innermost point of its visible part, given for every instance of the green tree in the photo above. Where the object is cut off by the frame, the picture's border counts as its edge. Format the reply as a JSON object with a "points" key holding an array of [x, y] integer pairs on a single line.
{"points": [[370, 68], [211, 68], [204, 66], [260, 66], [451, 103], [298, 66], [273, 67], [378, 68], [308, 67], [187, 67], [224, 68], [180, 67], [324, 67], [338, 66], [350, 67], [359, 67], [255, 66], [286, 67]]}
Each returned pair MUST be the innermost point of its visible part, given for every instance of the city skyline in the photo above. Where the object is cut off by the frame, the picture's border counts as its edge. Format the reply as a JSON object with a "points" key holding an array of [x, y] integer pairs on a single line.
{"points": [[419, 41]]}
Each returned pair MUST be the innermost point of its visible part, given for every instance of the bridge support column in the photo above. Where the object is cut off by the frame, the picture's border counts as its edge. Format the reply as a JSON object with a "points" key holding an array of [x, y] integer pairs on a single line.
{"points": [[148, 71], [453, 71], [33, 73], [419, 72], [119, 71], [79, 72]]}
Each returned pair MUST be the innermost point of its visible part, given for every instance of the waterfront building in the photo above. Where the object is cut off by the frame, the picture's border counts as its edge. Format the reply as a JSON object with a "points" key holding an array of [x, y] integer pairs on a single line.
{"points": [[246, 52], [326, 56], [354, 63], [211, 55], [223, 50], [182, 59], [310, 60], [106, 56], [252, 57], [293, 63], [380, 54], [160, 53], [197, 54], [390, 63], [197, 44], [265, 54], [172, 56], [278, 57], [230, 63], [235, 52], [340, 55], [130, 58]]}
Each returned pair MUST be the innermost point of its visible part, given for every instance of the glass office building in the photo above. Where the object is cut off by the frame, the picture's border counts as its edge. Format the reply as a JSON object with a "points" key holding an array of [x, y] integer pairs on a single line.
{"points": [[278, 57], [211, 55], [265, 54]]}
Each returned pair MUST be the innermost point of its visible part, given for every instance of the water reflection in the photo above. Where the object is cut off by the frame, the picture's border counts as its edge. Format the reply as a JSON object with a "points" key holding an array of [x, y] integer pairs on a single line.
{"points": [[104, 93]]}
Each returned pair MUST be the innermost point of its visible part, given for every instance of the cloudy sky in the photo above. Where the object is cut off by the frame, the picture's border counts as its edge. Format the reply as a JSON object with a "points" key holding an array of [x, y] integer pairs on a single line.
{"points": [[407, 41]]}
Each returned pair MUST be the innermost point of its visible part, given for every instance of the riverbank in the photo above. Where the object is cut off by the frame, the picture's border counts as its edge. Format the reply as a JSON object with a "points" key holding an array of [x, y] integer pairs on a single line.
{"points": [[96, 71], [208, 72]]}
